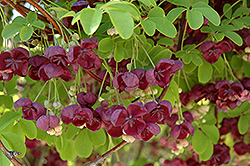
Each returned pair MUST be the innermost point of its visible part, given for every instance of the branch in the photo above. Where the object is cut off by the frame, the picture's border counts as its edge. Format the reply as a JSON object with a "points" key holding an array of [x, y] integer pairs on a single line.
{"points": [[107, 154], [10, 155], [16, 8], [97, 78], [54, 23]]}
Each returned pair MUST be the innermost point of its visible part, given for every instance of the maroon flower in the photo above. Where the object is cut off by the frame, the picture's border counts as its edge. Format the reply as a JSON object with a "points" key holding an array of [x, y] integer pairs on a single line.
{"points": [[95, 123], [126, 81], [79, 5], [16, 60], [162, 72], [172, 120], [246, 83], [6, 75], [188, 116], [230, 125], [47, 122], [57, 55], [86, 99], [220, 156], [241, 148], [141, 74], [36, 62], [50, 70], [181, 131], [84, 55], [130, 119], [31, 111], [175, 162], [76, 115], [150, 130], [212, 51], [228, 94], [122, 66], [158, 113]]}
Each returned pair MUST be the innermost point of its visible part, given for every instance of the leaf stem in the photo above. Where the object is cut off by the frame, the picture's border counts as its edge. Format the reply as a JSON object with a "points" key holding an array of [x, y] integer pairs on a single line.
{"points": [[229, 68], [230, 8], [40, 91]]}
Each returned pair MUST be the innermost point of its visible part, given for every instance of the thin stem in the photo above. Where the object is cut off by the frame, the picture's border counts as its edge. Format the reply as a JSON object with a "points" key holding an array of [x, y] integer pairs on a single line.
{"points": [[230, 8], [100, 91], [9, 155], [40, 91], [66, 91], [185, 77], [183, 36], [229, 68], [145, 51], [164, 91], [107, 154], [16, 8]]}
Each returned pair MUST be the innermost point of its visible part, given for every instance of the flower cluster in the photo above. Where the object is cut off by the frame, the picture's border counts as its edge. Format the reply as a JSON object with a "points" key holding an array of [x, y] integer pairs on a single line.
{"points": [[137, 120], [140, 78], [223, 94], [54, 64]]}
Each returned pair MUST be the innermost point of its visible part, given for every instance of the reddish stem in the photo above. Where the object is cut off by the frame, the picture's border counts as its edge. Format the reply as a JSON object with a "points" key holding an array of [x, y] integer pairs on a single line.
{"points": [[97, 78], [9, 155], [107, 154]]}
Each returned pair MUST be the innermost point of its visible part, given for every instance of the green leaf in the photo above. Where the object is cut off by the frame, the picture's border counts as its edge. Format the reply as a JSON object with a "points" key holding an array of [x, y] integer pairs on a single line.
{"points": [[166, 53], [156, 12], [189, 67], [238, 23], [71, 131], [164, 26], [180, 2], [19, 19], [174, 13], [245, 20], [187, 58], [205, 72], [194, 19], [200, 142], [12, 91], [41, 135], [26, 32], [243, 124], [208, 12], [122, 22], [106, 45], [211, 132], [31, 17], [206, 29], [38, 24], [29, 128], [2, 98], [234, 37], [67, 152], [8, 102], [245, 67], [219, 36], [166, 41], [219, 65], [227, 10], [98, 138], [76, 18], [65, 13], [148, 26], [196, 59], [17, 38], [10, 29], [236, 62], [15, 143], [7, 118], [124, 6], [16, 129], [207, 154], [241, 11], [148, 2], [227, 28], [90, 19], [3, 159], [119, 53], [83, 145]]}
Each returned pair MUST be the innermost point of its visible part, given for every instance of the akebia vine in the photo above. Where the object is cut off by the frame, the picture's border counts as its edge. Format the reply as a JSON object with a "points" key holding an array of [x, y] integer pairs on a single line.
{"points": [[102, 82]]}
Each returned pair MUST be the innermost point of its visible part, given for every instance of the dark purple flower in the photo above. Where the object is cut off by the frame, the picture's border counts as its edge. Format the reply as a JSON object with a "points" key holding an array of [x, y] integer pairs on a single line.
{"points": [[150, 130], [161, 73], [76, 115], [122, 66], [130, 119], [220, 156], [228, 94], [175, 162], [96, 123], [57, 55], [188, 116], [31, 111], [84, 55], [79, 5], [172, 120], [141, 74], [246, 83], [230, 125], [241, 148], [47, 122], [126, 81], [86, 99], [50, 70], [16, 60], [6, 75], [158, 113], [181, 131], [36, 62]]}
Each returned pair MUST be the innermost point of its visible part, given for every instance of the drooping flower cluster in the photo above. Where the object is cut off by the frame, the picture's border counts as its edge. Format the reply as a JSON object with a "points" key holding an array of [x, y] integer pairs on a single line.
{"points": [[140, 78], [137, 120], [211, 51], [223, 94]]}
